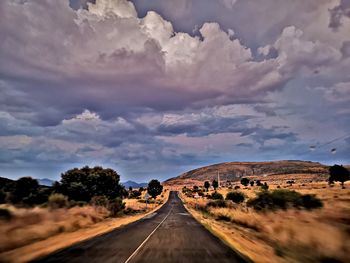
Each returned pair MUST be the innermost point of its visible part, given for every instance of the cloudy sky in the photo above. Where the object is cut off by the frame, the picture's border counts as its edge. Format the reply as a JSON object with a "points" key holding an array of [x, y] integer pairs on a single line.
{"points": [[153, 88]]}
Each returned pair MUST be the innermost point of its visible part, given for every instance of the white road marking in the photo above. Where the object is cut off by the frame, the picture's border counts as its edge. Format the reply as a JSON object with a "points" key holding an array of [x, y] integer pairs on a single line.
{"points": [[184, 214], [144, 242]]}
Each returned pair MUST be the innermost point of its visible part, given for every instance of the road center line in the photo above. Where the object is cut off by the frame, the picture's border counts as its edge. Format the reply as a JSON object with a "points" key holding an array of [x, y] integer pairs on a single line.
{"points": [[148, 237]]}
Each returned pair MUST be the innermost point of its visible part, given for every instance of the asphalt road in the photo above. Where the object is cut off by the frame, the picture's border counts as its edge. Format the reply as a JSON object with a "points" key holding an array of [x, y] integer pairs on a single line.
{"points": [[170, 234]]}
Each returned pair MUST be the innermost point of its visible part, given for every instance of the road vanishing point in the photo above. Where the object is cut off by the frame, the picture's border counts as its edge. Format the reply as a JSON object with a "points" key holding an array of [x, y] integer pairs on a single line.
{"points": [[170, 234]]}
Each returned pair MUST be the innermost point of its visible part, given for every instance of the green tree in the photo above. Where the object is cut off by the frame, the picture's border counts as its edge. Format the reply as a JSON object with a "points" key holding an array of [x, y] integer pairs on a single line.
{"points": [[338, 173], [206, 185], [251, 183], [245, 181], [24, 191], [82, 184], [258, 183], [215, 184], [154, 188]]}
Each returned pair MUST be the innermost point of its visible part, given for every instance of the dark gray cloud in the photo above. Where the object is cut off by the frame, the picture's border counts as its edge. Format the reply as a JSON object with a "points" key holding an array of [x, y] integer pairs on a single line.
{"points": [[338, 13]]}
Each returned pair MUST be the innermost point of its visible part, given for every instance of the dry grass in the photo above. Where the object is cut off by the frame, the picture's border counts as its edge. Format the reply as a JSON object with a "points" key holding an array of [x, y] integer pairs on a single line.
{"points": [[292, 235], [39, 231], [30, 225]]}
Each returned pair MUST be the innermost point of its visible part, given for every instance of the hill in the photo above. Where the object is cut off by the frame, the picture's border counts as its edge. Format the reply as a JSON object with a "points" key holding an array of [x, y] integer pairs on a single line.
{"points": [[274, 170], [45, 181], [133, 184]]}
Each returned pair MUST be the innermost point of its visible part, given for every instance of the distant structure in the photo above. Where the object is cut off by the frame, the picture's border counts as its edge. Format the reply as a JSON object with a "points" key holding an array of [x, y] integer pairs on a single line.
{"points": [[218, 179]]}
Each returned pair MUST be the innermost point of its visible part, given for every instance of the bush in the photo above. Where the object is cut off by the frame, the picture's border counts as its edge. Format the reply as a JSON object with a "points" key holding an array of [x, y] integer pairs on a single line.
{"points": [[245, 181], [217, 196], [236, 197], [99, 200], [217, 203], [223, 218], [283, 199], [57, 201], [237, 187], [135, 194], [115, 206], [264, 186], [311, 202], [5, 214]]}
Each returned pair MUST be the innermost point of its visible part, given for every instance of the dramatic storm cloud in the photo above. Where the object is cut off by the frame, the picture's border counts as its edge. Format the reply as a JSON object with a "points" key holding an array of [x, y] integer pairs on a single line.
{"points": [[152, 88]]}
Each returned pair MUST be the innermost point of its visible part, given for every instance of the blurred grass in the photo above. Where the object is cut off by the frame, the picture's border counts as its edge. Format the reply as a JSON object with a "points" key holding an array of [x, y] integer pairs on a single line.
{"points": [[284, 236]]}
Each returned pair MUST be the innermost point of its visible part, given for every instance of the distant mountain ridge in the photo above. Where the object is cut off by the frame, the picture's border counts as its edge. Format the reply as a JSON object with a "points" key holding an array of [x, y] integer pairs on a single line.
{"points": [[133, 184], [45, 181], [233, 171]]}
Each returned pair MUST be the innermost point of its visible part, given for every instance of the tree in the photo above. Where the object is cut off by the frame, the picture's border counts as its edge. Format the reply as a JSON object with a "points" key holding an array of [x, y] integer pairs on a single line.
{"points": [[338, 173], [215, 184], [154, 188], [206, 185], [130, 188], [251, 183], [245, 181], [82, 184], [258, 182], [195, 188], [24, 191]]}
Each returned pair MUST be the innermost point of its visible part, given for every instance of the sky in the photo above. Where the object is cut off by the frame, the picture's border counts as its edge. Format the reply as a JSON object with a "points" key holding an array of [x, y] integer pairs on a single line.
{"points": [[153, 88]]}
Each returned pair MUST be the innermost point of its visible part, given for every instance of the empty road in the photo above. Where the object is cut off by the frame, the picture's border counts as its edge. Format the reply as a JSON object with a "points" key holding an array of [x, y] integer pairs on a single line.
{"points": [[168, 235]]}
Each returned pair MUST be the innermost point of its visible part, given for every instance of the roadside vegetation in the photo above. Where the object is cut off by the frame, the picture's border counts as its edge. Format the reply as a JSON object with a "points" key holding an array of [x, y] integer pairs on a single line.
{"points": [[288, 222], [30, 212]]}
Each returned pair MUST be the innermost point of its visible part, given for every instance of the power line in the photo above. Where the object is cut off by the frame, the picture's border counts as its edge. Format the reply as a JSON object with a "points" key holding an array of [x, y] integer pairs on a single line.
{"points": [[315, 147]]}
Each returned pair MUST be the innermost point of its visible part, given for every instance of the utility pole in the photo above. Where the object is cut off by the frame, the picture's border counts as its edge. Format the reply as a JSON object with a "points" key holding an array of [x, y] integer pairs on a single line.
{"points": [[218, 179]]}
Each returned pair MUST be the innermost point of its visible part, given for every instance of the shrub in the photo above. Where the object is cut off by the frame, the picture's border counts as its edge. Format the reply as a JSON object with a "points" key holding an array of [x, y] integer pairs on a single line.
{"points": [[57, 201], [258, 183], [217, 196], [311, 201], [236, 197], [223, 218], [135, 194], [217, 203], [115, 206], [251, 183], [5, 214], [245, 181], [99, 200], [237, 187], [283, 199], [264, 186]]}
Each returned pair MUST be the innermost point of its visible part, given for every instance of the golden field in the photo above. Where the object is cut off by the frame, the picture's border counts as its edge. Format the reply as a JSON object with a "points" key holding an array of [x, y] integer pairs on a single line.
{"points": [[36, 232], [294, 235]]}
